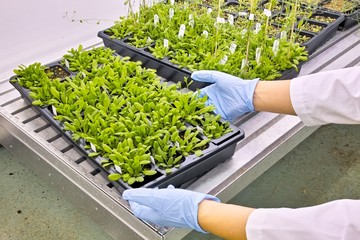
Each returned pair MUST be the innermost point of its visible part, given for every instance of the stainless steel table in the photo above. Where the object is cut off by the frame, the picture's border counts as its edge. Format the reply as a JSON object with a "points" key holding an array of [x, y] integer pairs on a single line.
{"points": [[268, 138]]}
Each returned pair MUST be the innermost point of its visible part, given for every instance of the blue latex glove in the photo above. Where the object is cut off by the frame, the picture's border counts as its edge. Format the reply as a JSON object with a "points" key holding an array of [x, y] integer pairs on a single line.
{"points": [[168, 207], [232, 96]]}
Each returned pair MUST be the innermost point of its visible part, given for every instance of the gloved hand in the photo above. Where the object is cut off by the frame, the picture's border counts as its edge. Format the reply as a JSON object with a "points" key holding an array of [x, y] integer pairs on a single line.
{"points": [[232, 96], [167, 207]]}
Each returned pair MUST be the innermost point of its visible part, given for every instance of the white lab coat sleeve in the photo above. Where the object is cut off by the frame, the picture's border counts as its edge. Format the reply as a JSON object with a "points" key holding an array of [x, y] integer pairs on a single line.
{"points": [[336, 220], [327, 97]]}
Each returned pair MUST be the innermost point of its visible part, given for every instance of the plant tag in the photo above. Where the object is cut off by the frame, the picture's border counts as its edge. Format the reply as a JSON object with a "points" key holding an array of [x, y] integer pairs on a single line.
{"points": [[220, 20], [243, 32], [267, 12], [275, 47], [191, 20], [148, 40], [171, 13], [251, 17], [257, 28], [150, 4], [152, 160], [67, 63], [242, 14], [181, 31], [231, 19], [205, 33], [53, 110], [166, 43], [223, 60], [243, 63], [200, 129], [83, 74], [177, 145], [149, 122], [118, 168], [257, 55], [283, 35], [156, 19], [209, 10], [232, 47], [172, 2], [92, 146]]}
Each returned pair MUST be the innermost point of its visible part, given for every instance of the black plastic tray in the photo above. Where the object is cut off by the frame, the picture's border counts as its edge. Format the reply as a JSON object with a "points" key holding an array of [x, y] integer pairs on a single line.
{"points": [[164, 67], [325, 34], [350, 18], [218, 150], [318, 39]]}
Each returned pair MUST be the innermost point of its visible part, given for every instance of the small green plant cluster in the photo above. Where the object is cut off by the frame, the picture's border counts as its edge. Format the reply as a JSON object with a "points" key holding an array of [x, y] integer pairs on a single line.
{"points": [[123, 113], [201, 38]]}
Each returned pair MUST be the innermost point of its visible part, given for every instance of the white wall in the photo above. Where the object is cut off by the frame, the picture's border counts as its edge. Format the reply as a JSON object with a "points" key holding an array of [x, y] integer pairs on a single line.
{"points": [[38, 30]]}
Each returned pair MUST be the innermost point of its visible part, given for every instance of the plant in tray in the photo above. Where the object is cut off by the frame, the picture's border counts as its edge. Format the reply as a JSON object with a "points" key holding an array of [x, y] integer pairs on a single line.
{"points": [[341, 5], [120, 113], [322, 18], [192, 37]]}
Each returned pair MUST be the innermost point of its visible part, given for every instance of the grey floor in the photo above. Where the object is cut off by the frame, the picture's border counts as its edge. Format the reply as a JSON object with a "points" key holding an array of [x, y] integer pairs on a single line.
{"points": [[324, 167]]}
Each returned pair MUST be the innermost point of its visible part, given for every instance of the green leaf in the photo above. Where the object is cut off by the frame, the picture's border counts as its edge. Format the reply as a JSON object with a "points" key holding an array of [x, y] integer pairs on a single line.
{"points": [[131, 181], [199, 153], [106, 148], [114, 176], [37, 103], [149, 172], [93, 154]]}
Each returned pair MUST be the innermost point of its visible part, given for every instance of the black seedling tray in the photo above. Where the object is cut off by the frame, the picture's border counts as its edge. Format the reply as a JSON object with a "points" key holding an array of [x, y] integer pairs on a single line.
{"points": [[164, 67], [192, 166], [351, 18], [317, 39], [328, 31]]}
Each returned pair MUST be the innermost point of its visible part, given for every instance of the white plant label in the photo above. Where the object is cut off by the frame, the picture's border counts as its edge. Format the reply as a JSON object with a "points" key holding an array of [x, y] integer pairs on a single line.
{"points": [[152, 160], [53, 110], [283, 34], [200, 129], [177, 145], [223, 60], [243, 14], [231, 19], [267, 12], [156, 19], [243, 32], [232, 48], [148, 40], [257, 55], [67, 63], [205, 33], [118, 168], [182, 31], [92, 146], [220, 20], [275, 47], [243, 63], [149, 122], [257, 28], [251, 17], [171, 13], [150, 3], [209, 10], [172, 2], [191, 20], [166, 43]]}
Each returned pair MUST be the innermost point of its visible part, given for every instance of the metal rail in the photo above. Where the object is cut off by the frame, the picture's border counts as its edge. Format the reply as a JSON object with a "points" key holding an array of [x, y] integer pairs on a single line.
{"points": [[268, 138]]}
